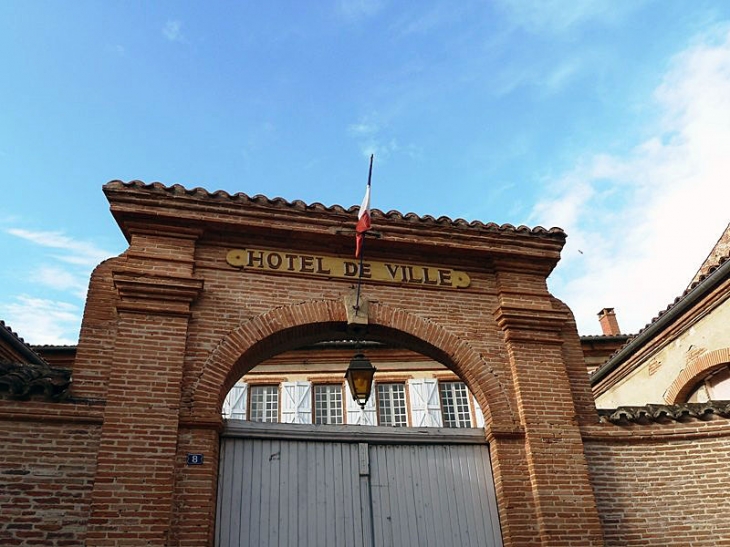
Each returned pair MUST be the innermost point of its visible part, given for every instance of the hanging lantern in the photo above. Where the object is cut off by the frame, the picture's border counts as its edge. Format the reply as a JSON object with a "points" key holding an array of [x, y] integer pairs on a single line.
{"points": [[359, 377]]}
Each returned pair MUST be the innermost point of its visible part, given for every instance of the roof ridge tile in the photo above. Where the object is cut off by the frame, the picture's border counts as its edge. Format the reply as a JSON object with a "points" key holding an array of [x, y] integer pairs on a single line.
{"points": [[411, 217]]}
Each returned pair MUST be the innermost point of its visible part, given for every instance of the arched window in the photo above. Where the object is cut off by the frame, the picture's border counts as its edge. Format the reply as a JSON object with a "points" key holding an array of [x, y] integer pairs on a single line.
{"points": [[713, 387]]}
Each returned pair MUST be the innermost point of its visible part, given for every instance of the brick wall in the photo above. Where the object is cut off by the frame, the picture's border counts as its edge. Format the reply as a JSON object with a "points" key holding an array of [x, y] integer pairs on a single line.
{"points": [[46, 476], [661, 485]]}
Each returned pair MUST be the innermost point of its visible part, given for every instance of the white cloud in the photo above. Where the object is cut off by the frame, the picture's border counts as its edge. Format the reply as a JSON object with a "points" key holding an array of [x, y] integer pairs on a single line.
{"points": [[558, 16], [640, 225], [371, 140], [40, 321], [61, 280], [363, 128], [173, 31], [80, 253]]}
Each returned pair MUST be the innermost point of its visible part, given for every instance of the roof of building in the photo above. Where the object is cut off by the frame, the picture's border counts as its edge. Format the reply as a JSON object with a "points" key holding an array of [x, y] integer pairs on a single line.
{"points": [[298, 205], [605, 337], [22, 380], [705, 283], [719, 252], [665, 413], [24, 373], [18, 345]]}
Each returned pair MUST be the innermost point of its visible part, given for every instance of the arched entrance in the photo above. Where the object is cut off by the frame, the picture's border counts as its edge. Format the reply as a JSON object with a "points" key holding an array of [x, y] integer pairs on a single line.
{"points": [[352, 485], [214, 284]]}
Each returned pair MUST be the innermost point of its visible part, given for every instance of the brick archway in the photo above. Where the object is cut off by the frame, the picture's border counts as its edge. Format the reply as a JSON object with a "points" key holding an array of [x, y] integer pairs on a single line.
{"points": [[690, 375], [177, 319], [286, 327]]}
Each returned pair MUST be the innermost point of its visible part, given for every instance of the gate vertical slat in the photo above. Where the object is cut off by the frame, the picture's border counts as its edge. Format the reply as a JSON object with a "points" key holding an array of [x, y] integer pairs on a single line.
{"points": [[329, 511], [399, 515], [222, 525], [319, 503], [247, 471], [389, 476], [477, 516], [350, 509], [491, 497], [382, 531], [274, 492], [454, 512], [460, 477], [241, 463], [298, 494], [255, 507], [365, 508], [286, 484], [311, 497], [338, 493], [413, 497], [441, 507], [433, 508]]}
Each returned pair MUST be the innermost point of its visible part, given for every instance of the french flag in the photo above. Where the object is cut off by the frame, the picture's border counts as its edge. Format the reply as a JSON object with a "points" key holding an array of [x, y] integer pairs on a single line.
{"points": [[363, 216]]}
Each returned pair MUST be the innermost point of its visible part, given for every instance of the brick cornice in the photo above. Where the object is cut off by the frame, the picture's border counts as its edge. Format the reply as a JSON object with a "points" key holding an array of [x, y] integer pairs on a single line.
{"points": [[162, 294], [136, 203], [531, 325]]}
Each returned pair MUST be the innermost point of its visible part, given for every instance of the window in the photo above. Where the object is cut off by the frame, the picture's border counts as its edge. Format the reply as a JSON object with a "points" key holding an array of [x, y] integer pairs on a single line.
{"points": [[328, 404], [455, 404], [264, 403], [714, 387], [392, 405]]}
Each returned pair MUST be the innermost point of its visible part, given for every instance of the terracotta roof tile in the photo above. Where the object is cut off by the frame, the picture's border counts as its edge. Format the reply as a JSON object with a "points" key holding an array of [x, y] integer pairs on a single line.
{"points": [[19, 345], [687, 291], [10, 331], [277, 202], [604, 336], [720, 251], [22, 380], [666, 413]]}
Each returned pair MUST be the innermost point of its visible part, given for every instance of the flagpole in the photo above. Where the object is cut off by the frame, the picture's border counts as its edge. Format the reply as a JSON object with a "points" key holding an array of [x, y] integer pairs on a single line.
{"points": [[362, 245]]}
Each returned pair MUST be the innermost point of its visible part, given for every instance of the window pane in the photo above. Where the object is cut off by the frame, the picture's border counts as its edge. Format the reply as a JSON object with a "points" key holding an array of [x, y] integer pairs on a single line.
{"points": [[264, 403], [328, 404], [392, 405], [719, 385], [455, 404]]}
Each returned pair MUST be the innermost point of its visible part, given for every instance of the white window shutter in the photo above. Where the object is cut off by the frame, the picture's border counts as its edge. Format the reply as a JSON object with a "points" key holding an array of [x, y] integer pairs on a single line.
{"points": [[236, 402], [478, 414], [425, 403], [357, 415], [296, 402]]}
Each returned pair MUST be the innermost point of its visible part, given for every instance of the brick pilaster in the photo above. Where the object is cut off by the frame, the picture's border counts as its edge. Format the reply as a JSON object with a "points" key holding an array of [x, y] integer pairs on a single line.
{"points": [[561, 489], [133, 487]]}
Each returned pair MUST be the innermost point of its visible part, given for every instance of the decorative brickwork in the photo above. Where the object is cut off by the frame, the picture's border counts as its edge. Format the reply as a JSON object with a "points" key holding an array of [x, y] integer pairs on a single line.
{"points": [[693, 373], [170, 325]]}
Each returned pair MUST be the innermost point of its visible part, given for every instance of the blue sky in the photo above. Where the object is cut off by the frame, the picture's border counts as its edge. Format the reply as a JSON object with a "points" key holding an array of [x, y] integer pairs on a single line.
{"points": [[610, 119]]}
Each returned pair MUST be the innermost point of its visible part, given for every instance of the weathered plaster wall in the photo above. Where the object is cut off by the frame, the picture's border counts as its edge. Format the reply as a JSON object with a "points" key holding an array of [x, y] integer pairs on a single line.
{"points": [[649, 382]]}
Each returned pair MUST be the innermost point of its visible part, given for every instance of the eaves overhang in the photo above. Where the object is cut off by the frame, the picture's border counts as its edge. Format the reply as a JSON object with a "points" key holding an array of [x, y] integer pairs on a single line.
{"points": [[134, 203], [19, 345]]}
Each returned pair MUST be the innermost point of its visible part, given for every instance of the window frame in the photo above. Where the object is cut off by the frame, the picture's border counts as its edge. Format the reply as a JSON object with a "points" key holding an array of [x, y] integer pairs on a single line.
{"points": [[316, 413], [266, 415], [460, 415], [391, 402]]}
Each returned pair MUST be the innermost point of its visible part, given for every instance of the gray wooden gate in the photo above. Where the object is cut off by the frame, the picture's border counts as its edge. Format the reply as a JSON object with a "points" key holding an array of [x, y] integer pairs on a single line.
{"points": [[358, 486]]}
